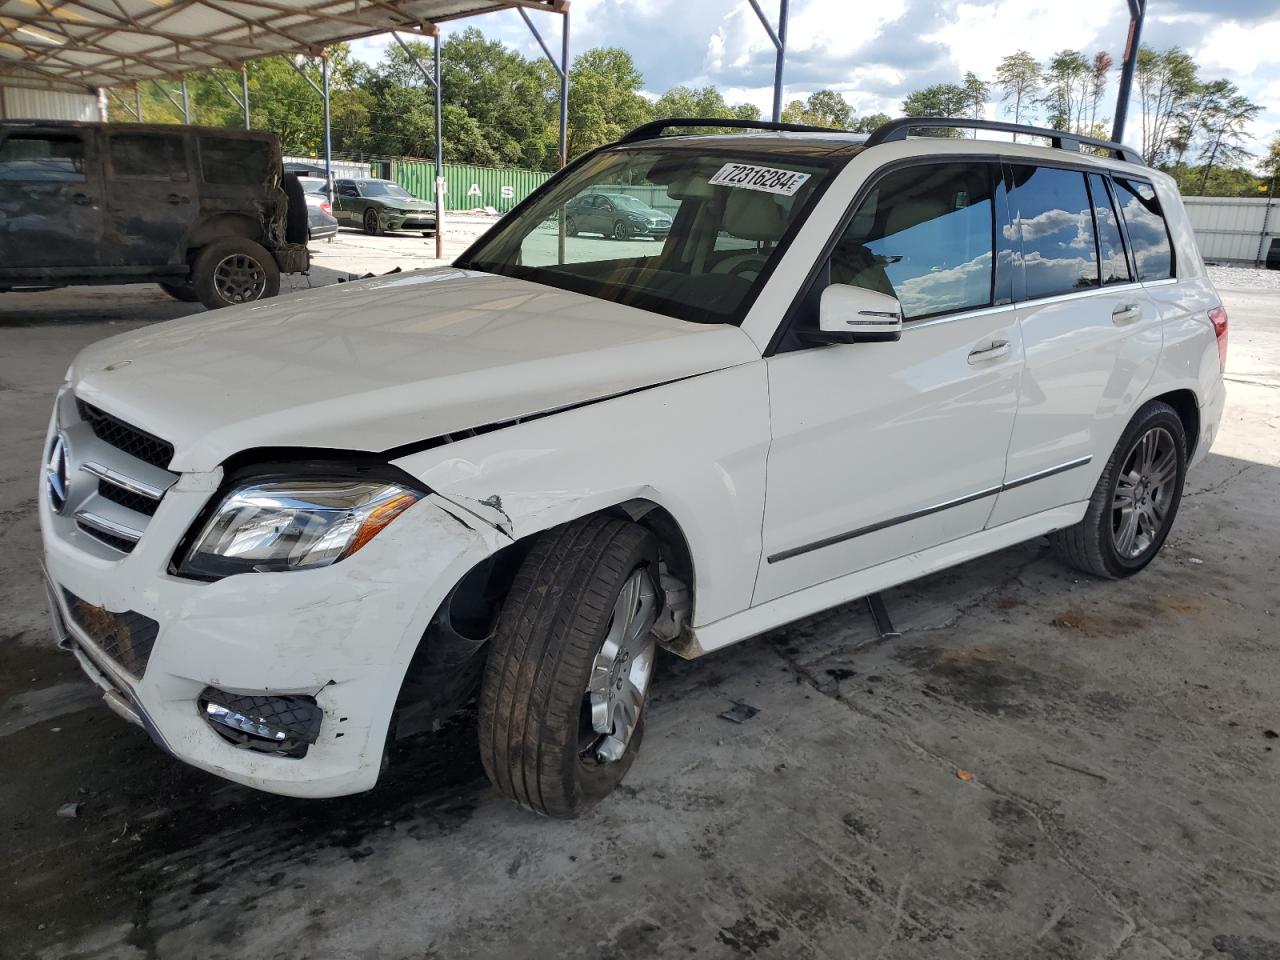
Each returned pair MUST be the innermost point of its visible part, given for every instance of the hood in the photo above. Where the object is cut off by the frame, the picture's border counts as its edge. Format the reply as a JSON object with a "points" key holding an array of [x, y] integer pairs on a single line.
{"points": [[385, 362]]}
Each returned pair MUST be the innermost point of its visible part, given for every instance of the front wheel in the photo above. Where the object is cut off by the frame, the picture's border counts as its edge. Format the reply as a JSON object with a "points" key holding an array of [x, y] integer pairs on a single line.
{"points": [[1135, 501], [569, 666], [372, 223], [571, 226], [234, 270], [621, 230]]}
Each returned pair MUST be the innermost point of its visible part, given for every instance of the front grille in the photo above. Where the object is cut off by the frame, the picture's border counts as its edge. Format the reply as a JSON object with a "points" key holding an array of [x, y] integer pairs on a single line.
{"points": [[127, 498], [123, 544], [127, 638], [123, 436]]}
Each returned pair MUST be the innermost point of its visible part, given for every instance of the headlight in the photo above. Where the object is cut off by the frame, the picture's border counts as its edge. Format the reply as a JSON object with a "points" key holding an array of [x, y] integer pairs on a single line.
{"points": [[293, 525]]}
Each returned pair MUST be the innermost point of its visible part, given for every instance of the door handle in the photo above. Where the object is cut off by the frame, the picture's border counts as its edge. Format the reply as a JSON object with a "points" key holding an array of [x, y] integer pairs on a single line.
{"points": [[998, 350], [81, 199], [175, 199], [1126, 313]]}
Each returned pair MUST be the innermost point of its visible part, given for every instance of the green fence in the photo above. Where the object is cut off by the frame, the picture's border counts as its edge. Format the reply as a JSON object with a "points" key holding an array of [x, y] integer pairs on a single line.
{"points": [[467, 187]]}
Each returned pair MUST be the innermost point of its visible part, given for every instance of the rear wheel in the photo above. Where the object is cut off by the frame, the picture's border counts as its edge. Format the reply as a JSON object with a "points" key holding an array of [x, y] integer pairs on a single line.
{"points": [[567, 677], [234, 270], [1134, 504], [181, 291], [372, 222]]}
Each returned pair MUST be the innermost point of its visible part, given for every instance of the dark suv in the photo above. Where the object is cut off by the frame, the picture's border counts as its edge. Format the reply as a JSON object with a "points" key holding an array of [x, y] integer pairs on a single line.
{"points": [[203, 212]]}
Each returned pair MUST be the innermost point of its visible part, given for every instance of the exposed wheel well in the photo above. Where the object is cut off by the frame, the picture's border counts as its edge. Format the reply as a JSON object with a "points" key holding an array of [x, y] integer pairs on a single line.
{"points": [[225, 225], [445, 669], [1188, 410]]}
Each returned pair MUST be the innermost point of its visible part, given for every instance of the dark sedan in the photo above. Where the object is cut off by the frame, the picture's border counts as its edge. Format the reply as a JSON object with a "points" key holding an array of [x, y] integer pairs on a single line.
{"points": [[616, 215]]}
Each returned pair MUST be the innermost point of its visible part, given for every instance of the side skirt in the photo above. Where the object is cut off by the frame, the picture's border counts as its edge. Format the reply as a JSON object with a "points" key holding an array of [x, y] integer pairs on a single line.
{"points": [[756, 620]]}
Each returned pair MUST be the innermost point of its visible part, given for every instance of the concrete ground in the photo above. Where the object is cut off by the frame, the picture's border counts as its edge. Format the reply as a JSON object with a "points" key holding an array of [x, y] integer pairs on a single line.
{"points": [[1043, 766]]}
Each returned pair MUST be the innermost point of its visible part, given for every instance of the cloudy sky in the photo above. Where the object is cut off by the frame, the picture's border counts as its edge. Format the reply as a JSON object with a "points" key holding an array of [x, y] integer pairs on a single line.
{"points": [[877, 53]]}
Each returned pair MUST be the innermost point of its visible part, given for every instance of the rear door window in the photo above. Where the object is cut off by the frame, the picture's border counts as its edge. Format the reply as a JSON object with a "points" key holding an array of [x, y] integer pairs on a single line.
{"points": [[924, 235], [1148, 233], [235, 161], [148, 156], [1050, 211], [1115, 264], [42, 158]]}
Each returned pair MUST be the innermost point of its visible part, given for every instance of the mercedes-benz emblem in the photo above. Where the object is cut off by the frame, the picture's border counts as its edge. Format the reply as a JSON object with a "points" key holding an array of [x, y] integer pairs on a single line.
{"points": [[56, 474]]}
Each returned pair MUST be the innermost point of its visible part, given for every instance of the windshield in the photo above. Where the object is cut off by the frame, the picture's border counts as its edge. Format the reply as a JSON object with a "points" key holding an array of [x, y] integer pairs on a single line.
{"points": [[384, 188], [732, 211], [632, 204]]}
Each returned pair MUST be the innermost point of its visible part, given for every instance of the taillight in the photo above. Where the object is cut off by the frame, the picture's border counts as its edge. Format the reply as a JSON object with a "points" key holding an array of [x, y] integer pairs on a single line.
{"points": [[329, 210], [1218, 315]]}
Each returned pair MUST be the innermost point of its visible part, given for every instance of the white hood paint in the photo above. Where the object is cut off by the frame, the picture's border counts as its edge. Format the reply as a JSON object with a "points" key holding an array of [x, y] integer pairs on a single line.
{"points": [[386, 362]]}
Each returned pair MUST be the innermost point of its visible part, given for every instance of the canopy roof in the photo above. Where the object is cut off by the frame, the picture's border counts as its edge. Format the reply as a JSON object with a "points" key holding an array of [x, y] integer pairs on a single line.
{"points": [[79, 44]]}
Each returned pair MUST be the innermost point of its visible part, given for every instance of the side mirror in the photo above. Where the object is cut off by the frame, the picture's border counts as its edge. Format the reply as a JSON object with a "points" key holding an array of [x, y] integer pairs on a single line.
{"points": [[848, 314]]}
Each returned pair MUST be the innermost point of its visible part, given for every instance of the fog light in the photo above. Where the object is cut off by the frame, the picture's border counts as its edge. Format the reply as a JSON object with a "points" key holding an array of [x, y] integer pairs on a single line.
{"points": [[284, 725]]}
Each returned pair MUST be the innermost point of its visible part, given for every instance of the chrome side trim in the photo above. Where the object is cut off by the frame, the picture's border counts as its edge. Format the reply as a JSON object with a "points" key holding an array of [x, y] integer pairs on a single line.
{"points": [[926, 511], [98, 522], [139, 487], [881, 525], [1042, 474]]}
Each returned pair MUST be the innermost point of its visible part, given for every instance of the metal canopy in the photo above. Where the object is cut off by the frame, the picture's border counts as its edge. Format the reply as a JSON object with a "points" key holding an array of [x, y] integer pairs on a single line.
{"points": [[84, 44]]}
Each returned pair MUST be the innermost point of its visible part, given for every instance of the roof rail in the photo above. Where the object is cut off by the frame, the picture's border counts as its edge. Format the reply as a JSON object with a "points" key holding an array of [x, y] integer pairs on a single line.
{"points": [[653, 129], [1063, 140]]}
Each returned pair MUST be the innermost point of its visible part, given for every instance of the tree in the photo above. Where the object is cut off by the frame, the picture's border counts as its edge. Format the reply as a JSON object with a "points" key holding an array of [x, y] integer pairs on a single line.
{"points": [[868, 123], [825, 108], [939, 100], [1167, 87], [705, 102], [1067, 81], [605, 101], [1102, 64], [1270, 165], [1225, 123], [1018, 79]]}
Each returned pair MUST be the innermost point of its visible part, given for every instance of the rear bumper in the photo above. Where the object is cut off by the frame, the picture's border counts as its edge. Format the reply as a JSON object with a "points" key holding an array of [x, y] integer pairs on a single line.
{"points": [[324, 231]]}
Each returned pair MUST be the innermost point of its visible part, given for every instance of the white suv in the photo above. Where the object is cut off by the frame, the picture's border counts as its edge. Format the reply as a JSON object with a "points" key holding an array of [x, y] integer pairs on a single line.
{"points": [[280, 536]]}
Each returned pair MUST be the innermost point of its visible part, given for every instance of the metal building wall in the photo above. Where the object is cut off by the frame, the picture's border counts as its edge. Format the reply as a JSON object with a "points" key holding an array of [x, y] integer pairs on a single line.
{"points": [[468, 187], [20, 103], [344, 169], [1228, 229]]}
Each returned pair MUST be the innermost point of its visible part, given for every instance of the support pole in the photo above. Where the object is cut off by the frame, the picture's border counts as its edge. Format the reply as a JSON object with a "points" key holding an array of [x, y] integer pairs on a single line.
{"points": [[779, 40], [564, 87], [1137, 13], [137, 102], [177, 105], [328, 141], [123, 102], [244, 92], [561, 67], [439, 154], [186, 102]]}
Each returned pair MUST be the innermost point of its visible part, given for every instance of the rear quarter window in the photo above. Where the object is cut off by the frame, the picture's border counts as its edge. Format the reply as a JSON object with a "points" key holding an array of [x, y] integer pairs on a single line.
{"points": [[231, 161], [1147, 229]]}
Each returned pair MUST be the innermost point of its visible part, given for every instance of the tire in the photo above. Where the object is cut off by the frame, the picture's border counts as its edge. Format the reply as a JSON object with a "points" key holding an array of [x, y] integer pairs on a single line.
{"points": [[570, 227], [621, 230], [181, 291], [372, 223], [538, 736], [234, 270], [1110, 542]]}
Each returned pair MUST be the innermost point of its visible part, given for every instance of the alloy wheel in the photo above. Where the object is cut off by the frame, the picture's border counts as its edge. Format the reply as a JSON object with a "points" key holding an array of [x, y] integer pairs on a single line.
{"points": [[1144, 493], [239, 278], [620, 675]]}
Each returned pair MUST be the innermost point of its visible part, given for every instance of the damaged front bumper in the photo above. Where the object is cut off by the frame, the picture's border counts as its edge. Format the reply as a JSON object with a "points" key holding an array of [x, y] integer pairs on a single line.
{"points": [[339, 638]]}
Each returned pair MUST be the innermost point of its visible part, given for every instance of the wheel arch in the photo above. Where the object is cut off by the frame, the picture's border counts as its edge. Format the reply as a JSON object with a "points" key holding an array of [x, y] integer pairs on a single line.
{"points": [[1187, 406], [446, 665], [225, 225]]}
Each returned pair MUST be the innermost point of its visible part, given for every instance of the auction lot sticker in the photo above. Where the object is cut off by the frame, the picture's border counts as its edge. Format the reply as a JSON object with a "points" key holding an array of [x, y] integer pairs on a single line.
{"points": [[766, 179]]}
